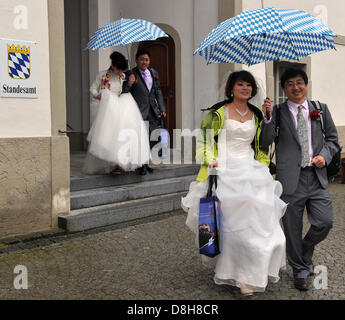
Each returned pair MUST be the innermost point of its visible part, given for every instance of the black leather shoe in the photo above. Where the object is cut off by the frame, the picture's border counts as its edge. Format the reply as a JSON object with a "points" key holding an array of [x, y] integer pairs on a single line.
{"points": [[311, 268], [149, 169], [301, 284], [142, 170]]}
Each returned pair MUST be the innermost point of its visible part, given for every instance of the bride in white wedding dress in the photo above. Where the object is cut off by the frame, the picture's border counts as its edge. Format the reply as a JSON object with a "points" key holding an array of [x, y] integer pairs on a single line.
{"points": [[252, 242], [118, 136]]}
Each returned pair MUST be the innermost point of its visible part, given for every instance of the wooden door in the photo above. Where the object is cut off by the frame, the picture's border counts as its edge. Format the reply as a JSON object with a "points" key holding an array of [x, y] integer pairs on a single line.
{"points": [[162, 53]]}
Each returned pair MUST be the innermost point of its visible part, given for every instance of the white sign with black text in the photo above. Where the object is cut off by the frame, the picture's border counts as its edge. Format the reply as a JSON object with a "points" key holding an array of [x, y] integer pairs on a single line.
{"points": [[18, 69]]}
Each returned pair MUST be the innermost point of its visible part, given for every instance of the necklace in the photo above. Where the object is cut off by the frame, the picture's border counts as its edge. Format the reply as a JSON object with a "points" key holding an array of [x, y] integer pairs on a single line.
{"points": [[241, 114]]}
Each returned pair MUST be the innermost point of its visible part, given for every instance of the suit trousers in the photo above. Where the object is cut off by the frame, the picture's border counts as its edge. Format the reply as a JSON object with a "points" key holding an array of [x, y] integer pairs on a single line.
{"points": [[310, 195], [154, 123]]}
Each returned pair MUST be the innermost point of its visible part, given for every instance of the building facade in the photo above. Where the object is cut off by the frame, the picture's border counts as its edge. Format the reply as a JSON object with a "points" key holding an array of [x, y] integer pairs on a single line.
{"points": [[35, 147], [34, 157]]}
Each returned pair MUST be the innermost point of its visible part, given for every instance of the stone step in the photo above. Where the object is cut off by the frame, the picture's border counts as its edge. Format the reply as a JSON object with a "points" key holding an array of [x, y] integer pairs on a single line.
{"points": [[105, 215], [101, 181], [102, 196]]}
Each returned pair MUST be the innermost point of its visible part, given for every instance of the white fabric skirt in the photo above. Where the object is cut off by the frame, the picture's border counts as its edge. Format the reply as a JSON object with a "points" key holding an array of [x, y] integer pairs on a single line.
{"points": [[94, 106], [118, 135], [252, 242]]}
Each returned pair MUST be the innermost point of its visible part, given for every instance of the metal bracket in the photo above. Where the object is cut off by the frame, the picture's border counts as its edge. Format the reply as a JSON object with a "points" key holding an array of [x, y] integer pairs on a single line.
{"points": [[68, 131]]}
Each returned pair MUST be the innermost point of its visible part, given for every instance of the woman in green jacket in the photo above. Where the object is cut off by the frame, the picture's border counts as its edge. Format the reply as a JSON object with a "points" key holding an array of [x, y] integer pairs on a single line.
{"points": [[252, 243]]}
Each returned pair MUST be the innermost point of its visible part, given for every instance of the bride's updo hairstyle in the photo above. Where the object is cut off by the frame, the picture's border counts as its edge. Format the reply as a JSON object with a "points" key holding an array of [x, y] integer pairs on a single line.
{"points": [[242, 75], [118, 60]]}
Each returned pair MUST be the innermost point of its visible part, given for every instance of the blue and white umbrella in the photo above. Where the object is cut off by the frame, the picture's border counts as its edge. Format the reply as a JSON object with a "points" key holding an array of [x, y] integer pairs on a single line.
{"points": [[124, 31], [266, 34]]}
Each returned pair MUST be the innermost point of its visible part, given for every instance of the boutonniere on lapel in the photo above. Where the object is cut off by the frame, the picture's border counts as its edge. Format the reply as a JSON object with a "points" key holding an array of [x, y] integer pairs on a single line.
{"points": [[315, 115], [155, 78], [123, 76]]}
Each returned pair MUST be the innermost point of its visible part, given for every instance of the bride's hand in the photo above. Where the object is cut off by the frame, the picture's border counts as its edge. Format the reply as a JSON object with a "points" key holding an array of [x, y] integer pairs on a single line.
{"points": [[213, 164]]}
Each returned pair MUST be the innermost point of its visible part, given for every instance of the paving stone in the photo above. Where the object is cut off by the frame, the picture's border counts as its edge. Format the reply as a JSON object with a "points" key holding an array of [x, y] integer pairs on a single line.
{"points": [[152, 259]]}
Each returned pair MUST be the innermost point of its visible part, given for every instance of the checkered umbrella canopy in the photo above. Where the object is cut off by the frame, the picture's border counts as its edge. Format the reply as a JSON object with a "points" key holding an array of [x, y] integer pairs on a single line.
{"points": [[124, 31], [266, 34]]}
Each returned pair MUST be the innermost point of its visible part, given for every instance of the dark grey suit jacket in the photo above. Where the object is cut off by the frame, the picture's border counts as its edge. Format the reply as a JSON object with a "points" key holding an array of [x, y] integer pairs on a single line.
{"points": [[145, 98], [288, 149]]}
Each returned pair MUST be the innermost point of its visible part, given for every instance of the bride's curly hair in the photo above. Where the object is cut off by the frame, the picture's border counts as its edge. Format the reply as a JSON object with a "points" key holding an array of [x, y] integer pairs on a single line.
{"points": [[242, 75]]}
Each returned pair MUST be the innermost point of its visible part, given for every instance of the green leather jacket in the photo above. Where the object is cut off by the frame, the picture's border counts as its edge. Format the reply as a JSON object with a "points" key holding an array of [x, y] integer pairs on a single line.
{"points": [[206, 148]]}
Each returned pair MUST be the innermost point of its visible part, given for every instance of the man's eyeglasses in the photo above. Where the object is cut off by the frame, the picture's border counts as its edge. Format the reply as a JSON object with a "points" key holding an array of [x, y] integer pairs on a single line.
{"points": [[293, 84]]}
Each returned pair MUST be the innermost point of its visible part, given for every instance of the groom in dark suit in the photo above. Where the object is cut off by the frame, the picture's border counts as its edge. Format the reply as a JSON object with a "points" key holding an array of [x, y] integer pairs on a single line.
{"points": [[147, 93], [302, 156]]}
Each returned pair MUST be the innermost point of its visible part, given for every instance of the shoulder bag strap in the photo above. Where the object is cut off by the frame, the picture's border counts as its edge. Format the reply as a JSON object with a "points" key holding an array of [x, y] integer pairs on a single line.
{"points": [[212, 180], [277, 121], [317, 106], [277, 130]]}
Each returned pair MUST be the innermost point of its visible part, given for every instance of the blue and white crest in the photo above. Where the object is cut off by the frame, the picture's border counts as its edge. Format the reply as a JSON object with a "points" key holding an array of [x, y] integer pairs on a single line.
{"points": [[19, 64]]}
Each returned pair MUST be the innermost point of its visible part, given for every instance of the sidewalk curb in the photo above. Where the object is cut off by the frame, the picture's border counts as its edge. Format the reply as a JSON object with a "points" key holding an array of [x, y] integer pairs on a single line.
{"points": [[50, 237]]}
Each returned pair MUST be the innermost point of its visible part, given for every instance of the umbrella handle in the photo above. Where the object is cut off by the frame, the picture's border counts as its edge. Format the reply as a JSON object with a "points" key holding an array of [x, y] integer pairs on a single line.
{"points": [[266, 75], [266, 71], [129, 58]]}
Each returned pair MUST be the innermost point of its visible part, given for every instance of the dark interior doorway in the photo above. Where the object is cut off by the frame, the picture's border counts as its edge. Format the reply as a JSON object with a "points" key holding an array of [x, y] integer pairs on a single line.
{"points": [[77, 72]]}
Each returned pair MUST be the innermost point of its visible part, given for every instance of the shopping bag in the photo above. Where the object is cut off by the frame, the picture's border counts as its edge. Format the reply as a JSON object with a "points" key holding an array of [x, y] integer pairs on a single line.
{"points": [[164, 137], [209, 214]]}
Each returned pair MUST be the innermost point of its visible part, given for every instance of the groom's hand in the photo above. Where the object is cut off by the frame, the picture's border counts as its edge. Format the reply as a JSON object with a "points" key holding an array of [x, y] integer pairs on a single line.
{"points": [[319, 161], [131, 79], [267, 108]]}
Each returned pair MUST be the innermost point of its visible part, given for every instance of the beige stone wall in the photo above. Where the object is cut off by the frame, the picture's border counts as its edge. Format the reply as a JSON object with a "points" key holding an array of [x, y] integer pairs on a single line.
{"points": [[60, 157], [34, 184], [60, 178], [27, 117], [341, 134], [35, 170], [226, 10], [25, 185]]}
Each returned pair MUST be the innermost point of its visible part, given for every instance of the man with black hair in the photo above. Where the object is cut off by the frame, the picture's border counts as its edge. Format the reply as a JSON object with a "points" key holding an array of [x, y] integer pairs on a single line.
{"points": [[147, 93], [302, 156]]}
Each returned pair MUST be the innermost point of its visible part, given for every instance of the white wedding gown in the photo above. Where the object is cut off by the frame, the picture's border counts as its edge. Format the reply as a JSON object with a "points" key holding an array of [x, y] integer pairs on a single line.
{"points": [[252, 242], [118, 135]]}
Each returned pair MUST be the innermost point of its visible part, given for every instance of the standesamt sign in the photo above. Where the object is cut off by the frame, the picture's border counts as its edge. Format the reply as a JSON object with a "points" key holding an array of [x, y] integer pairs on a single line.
{"points": [[18, 69]]}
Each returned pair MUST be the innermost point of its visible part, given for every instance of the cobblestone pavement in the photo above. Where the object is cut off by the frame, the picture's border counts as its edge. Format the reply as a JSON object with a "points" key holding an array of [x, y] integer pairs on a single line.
{"points": [[151, 260]]}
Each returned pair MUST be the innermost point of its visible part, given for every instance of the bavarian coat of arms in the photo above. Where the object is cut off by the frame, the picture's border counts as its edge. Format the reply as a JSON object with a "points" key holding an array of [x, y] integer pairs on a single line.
{"points": [[19, 62]]}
